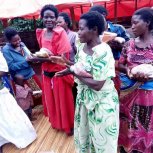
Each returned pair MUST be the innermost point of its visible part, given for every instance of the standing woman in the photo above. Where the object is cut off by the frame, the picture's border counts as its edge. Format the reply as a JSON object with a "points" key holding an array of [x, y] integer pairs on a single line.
{"points": [[57, 92], [97, 106], [64, 21], [136, 107], [16, 53]]}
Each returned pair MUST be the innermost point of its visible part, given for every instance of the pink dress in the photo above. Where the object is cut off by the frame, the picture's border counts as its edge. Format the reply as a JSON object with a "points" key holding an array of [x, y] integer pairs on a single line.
{"points": [[24, 96]]}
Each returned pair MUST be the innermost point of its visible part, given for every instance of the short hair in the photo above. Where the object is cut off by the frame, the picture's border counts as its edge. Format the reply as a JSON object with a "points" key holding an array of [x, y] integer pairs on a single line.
{"points": [[94, 19], [100, 9], [66, 18], [146, 14], [49, 7], [10, 32]]}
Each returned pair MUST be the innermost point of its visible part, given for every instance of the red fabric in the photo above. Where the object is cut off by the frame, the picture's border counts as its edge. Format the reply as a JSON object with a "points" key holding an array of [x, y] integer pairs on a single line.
{"points": [[57, 91], [116, 79], [31, 8], [122, 5], [117, 82]]}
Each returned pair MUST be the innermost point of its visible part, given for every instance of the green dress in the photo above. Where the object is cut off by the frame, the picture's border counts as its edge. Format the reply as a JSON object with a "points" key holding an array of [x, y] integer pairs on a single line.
{"points": [[97, 112]]}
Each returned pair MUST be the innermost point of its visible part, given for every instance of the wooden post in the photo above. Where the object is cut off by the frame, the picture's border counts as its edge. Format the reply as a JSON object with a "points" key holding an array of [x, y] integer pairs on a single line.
{"points": [[5, 23], [115, 11], [34, 22], [73, 18], [105, 5], [136, 4], [81, 9]]}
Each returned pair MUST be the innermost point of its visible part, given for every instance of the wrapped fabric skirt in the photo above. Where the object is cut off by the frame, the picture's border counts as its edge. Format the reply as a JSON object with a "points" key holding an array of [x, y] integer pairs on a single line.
{"points": [[136, 121]]}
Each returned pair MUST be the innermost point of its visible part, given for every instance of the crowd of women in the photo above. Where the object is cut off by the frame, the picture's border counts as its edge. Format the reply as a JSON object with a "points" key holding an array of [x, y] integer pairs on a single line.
{"points": [[113, 108]]}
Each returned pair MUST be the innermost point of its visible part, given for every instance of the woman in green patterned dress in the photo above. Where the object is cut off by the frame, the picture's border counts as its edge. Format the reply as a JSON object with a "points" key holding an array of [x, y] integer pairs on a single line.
{"points": [[97, 106]]}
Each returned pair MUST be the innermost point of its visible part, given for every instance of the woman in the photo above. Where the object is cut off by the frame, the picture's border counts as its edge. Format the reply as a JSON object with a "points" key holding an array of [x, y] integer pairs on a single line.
{"points": [[136, 113], [64, 21], [16, 53], [57, 92], [97, 106], [15, 126]]}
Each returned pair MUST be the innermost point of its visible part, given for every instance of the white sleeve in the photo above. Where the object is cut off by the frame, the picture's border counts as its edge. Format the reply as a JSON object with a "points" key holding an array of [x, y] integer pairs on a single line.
{"points": [[3, 63]]}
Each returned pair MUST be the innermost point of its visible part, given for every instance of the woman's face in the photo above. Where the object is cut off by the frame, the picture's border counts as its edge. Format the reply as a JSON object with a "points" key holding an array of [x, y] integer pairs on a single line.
{"points": [[85, 34], [49, 19], [139, 26], [15, 41], [61, 22]]}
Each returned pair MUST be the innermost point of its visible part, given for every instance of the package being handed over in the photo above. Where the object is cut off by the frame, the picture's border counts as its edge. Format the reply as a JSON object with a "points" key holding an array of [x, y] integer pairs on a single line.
{"points": [[44, 53]]}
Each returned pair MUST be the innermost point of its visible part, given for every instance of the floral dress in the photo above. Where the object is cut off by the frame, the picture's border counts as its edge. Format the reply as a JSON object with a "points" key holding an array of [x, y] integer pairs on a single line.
{"points": [[136, 105], [97, 112]]}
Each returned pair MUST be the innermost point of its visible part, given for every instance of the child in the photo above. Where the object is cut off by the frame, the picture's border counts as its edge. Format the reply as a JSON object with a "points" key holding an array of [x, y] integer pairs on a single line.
{"points": [[23, 95], [15, 126]]}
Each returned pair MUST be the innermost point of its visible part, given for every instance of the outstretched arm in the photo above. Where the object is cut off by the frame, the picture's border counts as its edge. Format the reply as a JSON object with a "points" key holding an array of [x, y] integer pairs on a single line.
{"points": [[91, 83]]}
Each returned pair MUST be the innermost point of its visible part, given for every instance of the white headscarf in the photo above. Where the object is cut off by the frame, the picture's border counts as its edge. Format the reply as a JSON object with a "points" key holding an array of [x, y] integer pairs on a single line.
{"points": [[3, 63]]}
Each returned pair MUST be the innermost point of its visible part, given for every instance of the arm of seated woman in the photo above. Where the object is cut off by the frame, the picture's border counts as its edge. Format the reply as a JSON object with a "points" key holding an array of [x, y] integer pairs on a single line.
{"points": [[3, 73]]}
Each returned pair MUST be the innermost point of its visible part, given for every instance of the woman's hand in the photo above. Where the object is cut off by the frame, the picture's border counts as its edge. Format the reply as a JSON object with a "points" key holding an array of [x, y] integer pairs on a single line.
{"points": [[79, 71], [76, 70], [140, 77], [62, 60], [128, 72], [115, 45], [31, 59], [63, 72]]}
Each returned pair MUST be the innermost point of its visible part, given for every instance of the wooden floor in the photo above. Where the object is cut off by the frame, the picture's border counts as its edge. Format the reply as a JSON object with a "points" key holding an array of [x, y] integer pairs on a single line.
{"points": [[48, 141]]}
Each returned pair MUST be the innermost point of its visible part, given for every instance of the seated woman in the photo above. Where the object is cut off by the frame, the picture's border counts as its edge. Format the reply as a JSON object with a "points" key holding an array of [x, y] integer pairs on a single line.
{"points": [[136, 104], [16, 53], [97, 107], [15, 127]]}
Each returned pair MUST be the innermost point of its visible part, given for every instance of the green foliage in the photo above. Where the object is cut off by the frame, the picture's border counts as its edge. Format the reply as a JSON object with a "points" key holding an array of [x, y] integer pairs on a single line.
{"points": [[21, 24], [1, 26]]}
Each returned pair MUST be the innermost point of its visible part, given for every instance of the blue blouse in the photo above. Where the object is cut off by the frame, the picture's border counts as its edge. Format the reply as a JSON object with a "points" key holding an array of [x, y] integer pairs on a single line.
{"points": [[17, 62]]}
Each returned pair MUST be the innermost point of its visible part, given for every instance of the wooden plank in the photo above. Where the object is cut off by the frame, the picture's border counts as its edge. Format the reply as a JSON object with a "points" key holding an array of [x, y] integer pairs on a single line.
{"points": [[65, 145], [42, 129], [71, 148], [49, 140], [10, 148]]}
